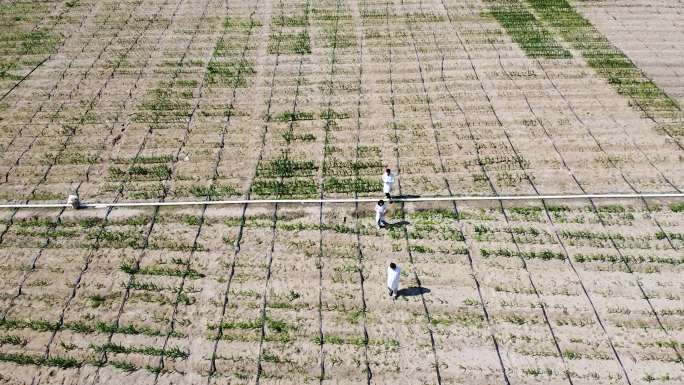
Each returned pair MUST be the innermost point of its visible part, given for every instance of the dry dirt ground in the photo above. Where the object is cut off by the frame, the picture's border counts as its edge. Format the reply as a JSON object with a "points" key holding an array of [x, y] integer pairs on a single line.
{"points": [[168, 100]]}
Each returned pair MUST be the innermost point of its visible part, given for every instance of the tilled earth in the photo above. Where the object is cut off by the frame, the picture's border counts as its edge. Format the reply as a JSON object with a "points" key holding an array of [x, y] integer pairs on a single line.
{"points": [[177, 100]]}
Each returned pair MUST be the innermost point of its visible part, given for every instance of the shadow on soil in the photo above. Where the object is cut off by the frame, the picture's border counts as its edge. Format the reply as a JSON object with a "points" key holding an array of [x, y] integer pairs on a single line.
{"points": [[405, 196], [397, 224], [412, 291]]}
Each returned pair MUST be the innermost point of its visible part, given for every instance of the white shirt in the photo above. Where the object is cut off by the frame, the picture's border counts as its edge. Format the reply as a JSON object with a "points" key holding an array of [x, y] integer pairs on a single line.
{"points": [[380, 212], [393, 278], [387, 181]]}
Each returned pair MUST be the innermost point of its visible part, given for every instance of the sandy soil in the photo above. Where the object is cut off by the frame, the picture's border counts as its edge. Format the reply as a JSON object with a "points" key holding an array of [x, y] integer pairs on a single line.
{"points": [[179, 100], [649, 33]]}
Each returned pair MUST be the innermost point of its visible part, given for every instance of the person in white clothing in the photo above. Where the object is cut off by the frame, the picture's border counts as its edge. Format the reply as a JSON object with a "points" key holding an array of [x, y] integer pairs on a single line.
{"points": [[387, 181], [380, 210], [393, 272]]}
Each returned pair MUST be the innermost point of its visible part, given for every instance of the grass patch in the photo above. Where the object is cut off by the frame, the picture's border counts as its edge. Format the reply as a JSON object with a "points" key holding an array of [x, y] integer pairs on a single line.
{"points": [[545, 255], [291, 137], [677, 207], [272, 324], [165, 104], [209, 192], [335, 167], [290, 21], [294, 188], [333, 339], [29, 359], [158, 172], [604, 57], [124, 366], [145, 159], [290, 43], [39, 41], [12, 340], [36, 325], [294, 116], [350, 185], [234, 73], [111, 328], [131, 268], [285, 167], [174, 352], [628, 259], [69, 158], [528, 32], [117, 239], [97, 301]]}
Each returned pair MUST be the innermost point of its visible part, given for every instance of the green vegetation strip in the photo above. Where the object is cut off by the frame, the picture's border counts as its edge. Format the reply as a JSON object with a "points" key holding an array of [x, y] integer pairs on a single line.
{"points": [[628, 259], [528, 32], [131, 268], [39, 360], [79, 327], [173, 352], [273, 325], [600, 54], [12, 340]]}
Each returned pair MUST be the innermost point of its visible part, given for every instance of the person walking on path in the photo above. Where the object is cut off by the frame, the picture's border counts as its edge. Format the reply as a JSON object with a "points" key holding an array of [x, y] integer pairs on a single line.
{"points": [[380, 211], [393, 272], [387, 181]]}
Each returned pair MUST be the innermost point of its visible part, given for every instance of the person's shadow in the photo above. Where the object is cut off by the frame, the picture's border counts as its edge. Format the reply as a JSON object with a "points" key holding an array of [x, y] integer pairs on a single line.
{"points": [[412, 291], [397, 224], [405, 196]]}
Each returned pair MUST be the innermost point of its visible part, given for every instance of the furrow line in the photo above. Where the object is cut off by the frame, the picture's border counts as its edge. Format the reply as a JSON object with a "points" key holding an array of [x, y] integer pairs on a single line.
{"points": [[608, 336], [59, 109], [274, 218], [359, 245], [35, 27], [161, 364], [120, 191], [468, 124], [49, 232], [52, 90], [95, 247], [595, 209], [238, 240], [403, 210], [208, 197], [321, 180]]}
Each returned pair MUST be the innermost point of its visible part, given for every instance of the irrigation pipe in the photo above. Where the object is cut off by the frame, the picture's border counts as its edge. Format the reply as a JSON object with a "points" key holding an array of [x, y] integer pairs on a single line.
{"points": [[350, 200]]}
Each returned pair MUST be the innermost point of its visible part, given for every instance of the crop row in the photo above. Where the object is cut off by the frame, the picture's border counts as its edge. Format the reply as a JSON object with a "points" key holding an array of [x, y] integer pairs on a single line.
{"points": [[508, 300]]}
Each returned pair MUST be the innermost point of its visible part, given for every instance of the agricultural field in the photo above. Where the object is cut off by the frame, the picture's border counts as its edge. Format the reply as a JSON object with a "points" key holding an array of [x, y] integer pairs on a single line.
{"points": [[197, 101]]}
